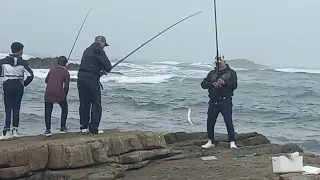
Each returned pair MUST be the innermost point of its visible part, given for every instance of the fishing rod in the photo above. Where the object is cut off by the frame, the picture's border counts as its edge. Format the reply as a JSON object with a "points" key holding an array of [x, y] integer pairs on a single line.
{"points": [[154, 38], [79, 33], [216, 29]]}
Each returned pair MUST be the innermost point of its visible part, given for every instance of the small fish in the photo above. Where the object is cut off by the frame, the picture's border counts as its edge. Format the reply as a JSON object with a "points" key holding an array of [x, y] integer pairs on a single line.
{"points": [[189, 117]]}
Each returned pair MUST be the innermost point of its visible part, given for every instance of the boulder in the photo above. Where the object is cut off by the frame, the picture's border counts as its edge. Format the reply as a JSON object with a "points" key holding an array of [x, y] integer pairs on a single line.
{"points": [[66, 155], [75, 151], [34, 155]]}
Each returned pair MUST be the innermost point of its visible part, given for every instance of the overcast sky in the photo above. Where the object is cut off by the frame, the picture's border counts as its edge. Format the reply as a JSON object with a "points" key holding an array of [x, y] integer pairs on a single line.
{"points": [[273, 32]]}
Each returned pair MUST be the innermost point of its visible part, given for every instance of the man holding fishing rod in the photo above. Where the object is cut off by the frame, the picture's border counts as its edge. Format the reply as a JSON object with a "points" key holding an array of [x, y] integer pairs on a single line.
{"points": [[220, 82], [94, 63]]}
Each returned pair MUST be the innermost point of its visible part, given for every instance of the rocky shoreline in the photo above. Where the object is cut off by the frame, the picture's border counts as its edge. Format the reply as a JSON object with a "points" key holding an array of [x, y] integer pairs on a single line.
{"points": [[121, 155]]}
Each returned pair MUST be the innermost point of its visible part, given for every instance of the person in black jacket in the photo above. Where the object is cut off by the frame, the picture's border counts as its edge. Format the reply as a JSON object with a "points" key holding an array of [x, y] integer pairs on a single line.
{"points": [[220, 94], [94, 62], [13, 69]]}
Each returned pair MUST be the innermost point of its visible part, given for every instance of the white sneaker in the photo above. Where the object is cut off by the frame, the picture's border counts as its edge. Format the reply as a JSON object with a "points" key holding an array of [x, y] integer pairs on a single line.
{"points": [[233, 144], [5, 135], [208, 145], [100, 132], [15, 133], [84, 131]]}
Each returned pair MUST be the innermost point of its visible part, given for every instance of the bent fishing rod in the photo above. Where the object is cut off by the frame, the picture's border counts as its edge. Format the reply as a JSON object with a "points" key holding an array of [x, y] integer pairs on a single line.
{"points": [[154, 38], [79, 32]]}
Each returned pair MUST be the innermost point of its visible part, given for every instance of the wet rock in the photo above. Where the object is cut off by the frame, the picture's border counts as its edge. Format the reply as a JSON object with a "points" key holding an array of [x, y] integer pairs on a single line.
{"points": [[14, 172], [139, 156], [136, 165], [183, 136], [290, 148], [255, 140], [294, 176], [246, 138]]}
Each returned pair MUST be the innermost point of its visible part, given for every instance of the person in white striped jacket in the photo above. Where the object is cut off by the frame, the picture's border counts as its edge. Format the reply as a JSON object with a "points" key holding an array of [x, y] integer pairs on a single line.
{"points": [[13, 70]]}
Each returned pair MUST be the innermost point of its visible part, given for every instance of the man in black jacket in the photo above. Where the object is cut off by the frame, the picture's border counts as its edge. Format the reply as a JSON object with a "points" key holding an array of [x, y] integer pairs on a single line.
{"points": [[220, 90], [93, 62], [13, 70]]}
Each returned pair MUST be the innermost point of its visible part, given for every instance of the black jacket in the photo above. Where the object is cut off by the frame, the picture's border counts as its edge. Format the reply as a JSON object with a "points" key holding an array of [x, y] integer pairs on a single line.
{"points": [[13, 67], [231, 83], [93, 61]]}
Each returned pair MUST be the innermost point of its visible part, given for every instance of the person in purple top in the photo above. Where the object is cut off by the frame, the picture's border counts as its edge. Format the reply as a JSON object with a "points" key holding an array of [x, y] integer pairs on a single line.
{"points": [[57, 81]]}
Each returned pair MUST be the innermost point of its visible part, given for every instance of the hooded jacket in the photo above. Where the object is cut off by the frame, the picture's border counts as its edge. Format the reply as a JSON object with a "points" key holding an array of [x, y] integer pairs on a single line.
{"points": [[226, 90], [57, 81], [13, 67], [93, 61]]}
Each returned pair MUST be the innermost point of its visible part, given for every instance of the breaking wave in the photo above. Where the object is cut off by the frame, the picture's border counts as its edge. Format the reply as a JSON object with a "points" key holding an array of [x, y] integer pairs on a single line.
{"points": [[24, 56], [292, 70], [143, 79], [139, 79]]}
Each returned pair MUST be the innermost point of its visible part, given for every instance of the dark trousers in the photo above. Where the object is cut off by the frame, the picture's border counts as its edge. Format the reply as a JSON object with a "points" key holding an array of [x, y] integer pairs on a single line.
{"points": [[225, 107], [13, 92], [48, 112], [90, 98]]}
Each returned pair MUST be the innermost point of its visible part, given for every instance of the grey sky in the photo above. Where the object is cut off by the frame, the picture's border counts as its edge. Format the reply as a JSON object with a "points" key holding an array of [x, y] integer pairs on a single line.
{"points": [[273, 32]]}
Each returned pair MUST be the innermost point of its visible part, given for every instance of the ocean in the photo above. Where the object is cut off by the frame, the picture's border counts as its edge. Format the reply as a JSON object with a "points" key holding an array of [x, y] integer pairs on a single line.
{"points": [[282, 104]]}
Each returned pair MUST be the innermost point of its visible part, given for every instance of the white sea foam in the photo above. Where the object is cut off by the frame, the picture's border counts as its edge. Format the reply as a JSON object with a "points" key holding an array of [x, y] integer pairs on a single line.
{"points": [[42, 73], [292, 70], [155, 79], [167, 62], [24, 56], [138, 79]]}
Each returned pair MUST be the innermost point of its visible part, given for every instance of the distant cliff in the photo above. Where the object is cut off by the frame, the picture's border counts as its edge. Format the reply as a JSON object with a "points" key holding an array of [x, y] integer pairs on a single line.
{"points": [[246, 64], [47, 63]]}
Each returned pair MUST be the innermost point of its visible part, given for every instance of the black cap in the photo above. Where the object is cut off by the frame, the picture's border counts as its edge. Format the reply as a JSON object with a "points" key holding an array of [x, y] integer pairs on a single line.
{"points": [[16, 47], [102, 38]]}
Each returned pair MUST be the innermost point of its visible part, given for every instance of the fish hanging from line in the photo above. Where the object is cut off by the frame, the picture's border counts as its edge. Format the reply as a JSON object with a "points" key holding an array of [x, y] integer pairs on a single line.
{"points": [[189, 117]]}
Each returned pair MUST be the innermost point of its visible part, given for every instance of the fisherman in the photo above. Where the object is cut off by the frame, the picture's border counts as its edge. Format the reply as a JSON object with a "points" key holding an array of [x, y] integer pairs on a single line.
{"points": [[57, 81], [94, 63], [220, 94], [13, 69]]}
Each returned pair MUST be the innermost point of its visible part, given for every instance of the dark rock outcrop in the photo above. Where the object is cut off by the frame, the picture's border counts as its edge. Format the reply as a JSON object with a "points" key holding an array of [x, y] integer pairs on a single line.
{"points": [[47, 63]]}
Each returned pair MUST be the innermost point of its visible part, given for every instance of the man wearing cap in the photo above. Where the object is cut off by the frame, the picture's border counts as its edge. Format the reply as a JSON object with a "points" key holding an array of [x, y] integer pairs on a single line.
{"points": [[13, 69], [94, 61], [220, 90]]}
